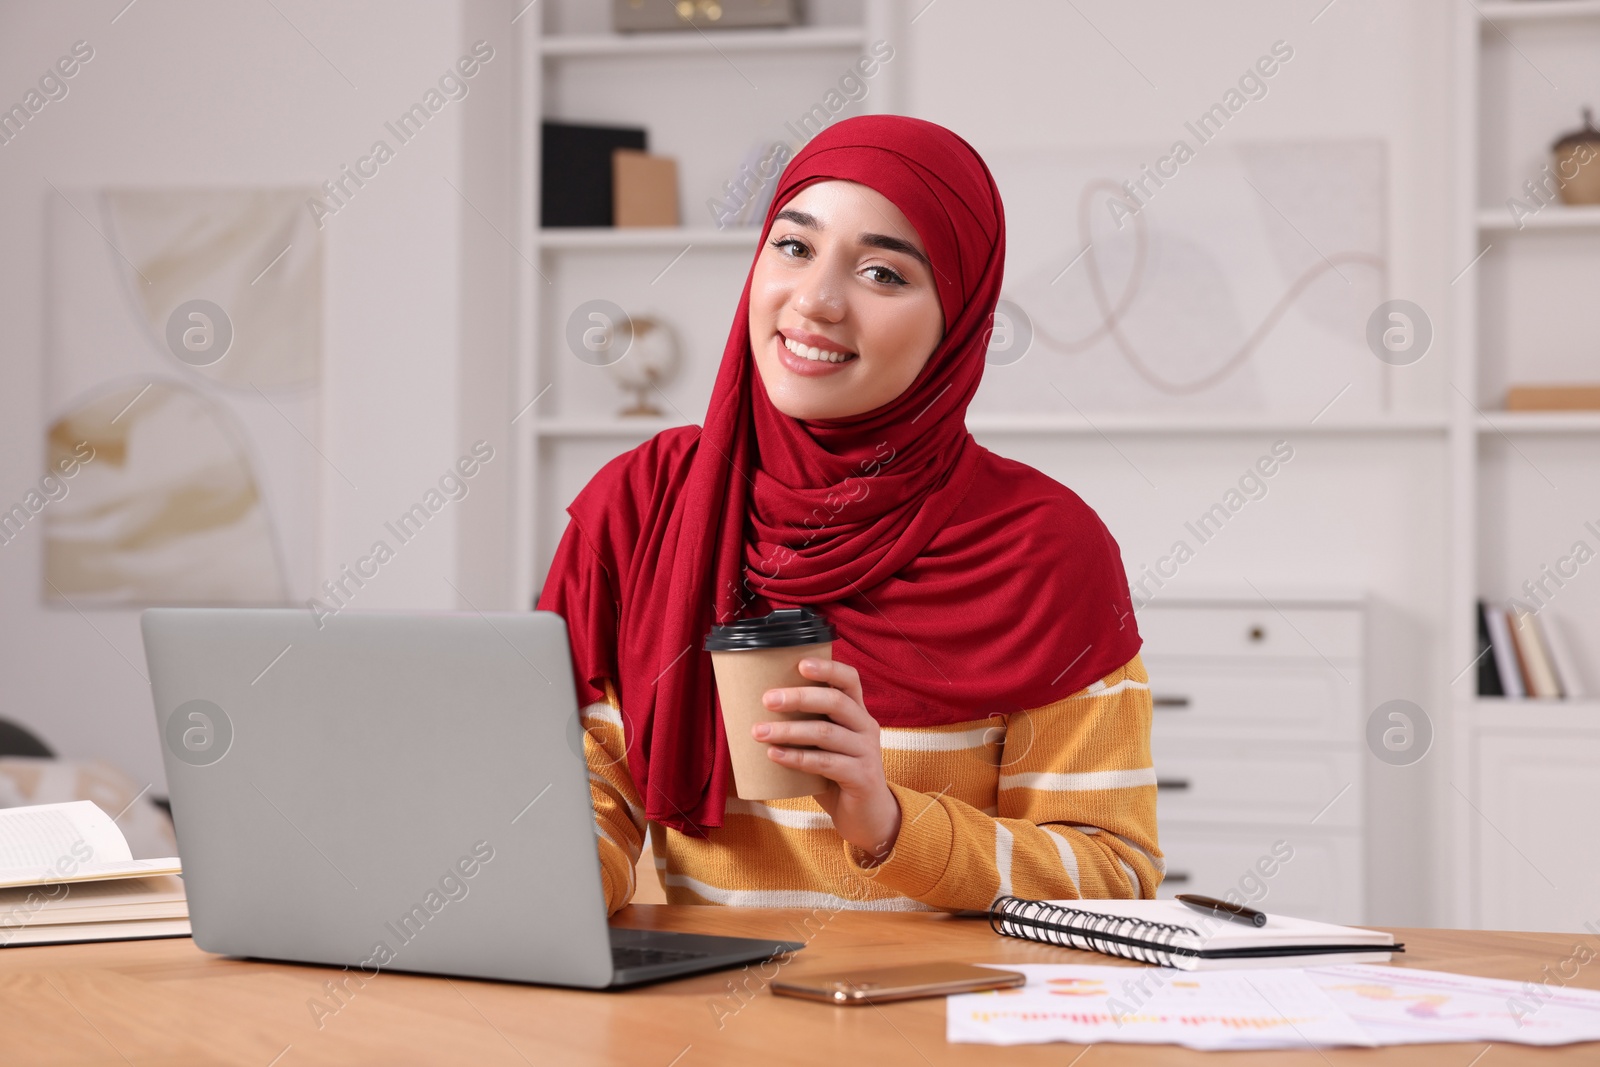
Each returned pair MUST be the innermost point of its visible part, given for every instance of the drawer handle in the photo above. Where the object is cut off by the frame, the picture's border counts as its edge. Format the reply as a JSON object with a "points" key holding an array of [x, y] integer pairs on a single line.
{"points": [[1258, 633], [1175, 784], [1177, 878], [1170, 702]]}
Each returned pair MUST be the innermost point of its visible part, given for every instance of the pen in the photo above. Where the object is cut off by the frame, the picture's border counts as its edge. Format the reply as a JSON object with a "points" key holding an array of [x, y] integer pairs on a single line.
{"points": [[1223, 910]]}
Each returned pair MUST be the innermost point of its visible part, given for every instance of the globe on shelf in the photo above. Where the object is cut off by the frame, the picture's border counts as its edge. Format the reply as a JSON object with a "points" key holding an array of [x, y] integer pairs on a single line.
{"points": [[652, 361]]}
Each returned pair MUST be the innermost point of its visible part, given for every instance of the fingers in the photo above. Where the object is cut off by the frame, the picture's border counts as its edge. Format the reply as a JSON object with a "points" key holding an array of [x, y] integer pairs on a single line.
{"points": [[841, 676], [842, 747], [817, 733], [846, 770], [840, 699]]}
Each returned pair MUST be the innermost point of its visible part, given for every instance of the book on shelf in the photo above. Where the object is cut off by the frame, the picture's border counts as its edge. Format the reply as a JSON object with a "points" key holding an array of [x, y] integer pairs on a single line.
{"points": [[575, 171], [66, 875], [1539, 678], [1489, 683], [644, 189], [1553, 398], [1527, 655], [1561, 659], [1505, 652]]}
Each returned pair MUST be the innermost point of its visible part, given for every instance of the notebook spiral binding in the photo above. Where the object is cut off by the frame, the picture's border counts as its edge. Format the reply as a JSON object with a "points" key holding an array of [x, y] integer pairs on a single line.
{"points": [[1133, 939]]}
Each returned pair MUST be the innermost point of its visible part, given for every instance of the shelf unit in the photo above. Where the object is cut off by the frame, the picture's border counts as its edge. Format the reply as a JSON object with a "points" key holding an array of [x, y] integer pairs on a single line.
{"points": [[570, 67], [1494, 11], [1539, 422], [1068, 425], [1497, 221], [1514, 474], [583, 239], [800, 38]]}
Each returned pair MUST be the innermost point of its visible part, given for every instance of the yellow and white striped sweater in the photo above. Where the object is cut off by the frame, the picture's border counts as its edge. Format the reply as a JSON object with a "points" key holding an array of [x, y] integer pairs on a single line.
{"points": [[1056, 802]]}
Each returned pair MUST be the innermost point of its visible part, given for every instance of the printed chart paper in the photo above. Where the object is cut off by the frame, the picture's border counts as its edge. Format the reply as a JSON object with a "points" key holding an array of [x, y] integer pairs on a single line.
{"points": [[1090, 1005], [1355, 1004], [1400, 1006]]}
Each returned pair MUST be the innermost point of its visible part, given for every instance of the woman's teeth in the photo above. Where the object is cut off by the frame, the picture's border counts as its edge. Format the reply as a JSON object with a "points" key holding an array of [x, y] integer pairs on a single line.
{"points": [[808, 352]]}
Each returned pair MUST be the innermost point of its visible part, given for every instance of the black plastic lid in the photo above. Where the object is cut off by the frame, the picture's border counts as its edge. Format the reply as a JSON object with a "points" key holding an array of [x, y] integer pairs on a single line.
{"points": [[783, 628]]}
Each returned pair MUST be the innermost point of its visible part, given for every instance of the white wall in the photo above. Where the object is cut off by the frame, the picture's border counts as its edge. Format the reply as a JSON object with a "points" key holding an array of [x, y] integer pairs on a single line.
{"points": [[187, 93], [1363, 513]]}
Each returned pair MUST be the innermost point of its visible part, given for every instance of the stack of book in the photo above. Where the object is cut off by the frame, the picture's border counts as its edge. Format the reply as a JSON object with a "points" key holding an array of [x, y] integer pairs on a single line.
{"points": [[66, 875], [1519, 656]]}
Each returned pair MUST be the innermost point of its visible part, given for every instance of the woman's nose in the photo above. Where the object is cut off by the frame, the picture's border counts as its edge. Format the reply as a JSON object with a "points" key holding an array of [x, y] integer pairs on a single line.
{"points": [[820, 296]]}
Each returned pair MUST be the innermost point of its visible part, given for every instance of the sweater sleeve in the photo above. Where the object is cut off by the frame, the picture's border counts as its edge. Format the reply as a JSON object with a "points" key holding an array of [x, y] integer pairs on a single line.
{"points": [[1075, 814], [618, 816], [586, 599]]}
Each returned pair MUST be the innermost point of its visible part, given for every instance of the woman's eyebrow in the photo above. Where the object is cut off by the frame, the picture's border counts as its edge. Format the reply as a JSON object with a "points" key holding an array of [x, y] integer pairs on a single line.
{"points": [[894, 244], [871, 240]]}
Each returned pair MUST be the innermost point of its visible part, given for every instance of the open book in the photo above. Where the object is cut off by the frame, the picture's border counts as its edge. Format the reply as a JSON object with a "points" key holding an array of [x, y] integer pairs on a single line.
{"points": [[1168, 933], [66, 875]]}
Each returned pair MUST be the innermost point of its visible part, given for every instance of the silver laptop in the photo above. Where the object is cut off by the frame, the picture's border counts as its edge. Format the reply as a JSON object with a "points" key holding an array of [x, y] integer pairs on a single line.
{"points": [[394, 792]]}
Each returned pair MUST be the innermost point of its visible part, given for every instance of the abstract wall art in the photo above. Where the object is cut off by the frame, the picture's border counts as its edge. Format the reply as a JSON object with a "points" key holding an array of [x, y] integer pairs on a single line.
{"points": [[185, 359]]}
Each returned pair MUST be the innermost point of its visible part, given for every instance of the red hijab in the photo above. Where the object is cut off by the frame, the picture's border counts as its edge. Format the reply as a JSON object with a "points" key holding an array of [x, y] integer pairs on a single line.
{"points": [[962, 584]]}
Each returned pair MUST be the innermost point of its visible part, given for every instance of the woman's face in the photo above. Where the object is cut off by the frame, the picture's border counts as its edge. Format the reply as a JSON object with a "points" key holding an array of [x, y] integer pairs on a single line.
{"points": [[844, 277]]}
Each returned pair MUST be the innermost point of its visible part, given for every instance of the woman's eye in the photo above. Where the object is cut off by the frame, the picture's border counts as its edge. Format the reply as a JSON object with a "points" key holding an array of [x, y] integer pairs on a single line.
{"points": [[885, 276], [790, 247]]}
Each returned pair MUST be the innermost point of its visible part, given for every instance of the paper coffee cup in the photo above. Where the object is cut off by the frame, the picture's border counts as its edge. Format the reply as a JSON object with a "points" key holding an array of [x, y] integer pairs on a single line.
{"points": [[750, 657]]}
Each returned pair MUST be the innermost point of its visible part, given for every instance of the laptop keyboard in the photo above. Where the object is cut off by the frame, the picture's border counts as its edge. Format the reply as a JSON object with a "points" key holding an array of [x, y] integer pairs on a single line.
{"points": [[624, 957]]}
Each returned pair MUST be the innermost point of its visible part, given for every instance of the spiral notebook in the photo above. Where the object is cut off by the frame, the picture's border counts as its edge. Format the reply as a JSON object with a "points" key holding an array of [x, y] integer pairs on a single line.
{"points": [[1168, 933]]}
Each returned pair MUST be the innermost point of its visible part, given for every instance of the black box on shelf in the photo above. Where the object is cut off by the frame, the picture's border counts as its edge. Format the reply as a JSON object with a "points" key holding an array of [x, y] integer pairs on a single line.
{"points": [[575, 172]]}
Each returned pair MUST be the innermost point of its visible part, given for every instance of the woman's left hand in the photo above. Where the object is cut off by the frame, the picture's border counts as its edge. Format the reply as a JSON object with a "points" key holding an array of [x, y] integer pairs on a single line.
{"points": [[845, 751]]}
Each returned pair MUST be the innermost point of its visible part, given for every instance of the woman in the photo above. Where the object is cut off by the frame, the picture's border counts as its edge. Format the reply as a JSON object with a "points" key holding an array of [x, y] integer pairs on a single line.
{"points": [[988, 717]]}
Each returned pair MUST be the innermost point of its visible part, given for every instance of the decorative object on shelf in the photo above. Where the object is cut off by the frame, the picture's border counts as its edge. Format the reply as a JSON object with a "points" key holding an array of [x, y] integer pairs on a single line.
{"points": [[1553, 398], [652, 360], [575, 186], [629, 16], [1577, 163], [644, 189]]}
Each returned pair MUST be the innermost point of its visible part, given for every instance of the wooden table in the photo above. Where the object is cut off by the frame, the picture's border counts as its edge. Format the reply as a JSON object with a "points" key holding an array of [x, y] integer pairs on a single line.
{"points": [[166, 1002]]}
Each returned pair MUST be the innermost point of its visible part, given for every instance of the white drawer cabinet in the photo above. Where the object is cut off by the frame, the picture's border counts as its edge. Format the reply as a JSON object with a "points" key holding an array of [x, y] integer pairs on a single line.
{"points": [[1279, 784], [1211, 697], [1254, 632], [1533, 828], [1258, 738], [1310, 885]]}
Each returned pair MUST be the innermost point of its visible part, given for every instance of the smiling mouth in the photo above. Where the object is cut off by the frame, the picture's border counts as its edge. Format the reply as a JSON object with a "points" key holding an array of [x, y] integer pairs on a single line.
{"points": [[816, 355]]}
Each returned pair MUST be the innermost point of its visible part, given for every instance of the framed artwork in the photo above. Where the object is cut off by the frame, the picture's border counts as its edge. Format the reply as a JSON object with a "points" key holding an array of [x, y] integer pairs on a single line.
{"points": [[1224, 277], [183, 389]]}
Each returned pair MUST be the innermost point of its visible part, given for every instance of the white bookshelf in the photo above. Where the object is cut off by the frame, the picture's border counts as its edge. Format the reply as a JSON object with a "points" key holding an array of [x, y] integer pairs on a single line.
{"points": [[1072, 425], [1515, 11], [798, 39], [1539, 422], [1497, 221], [1520, 480], [577, 239]]}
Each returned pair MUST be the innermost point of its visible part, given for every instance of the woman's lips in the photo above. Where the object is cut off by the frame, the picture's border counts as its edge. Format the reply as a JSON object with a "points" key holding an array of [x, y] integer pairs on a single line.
{"points": [[799, 364], [819, 341]]}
